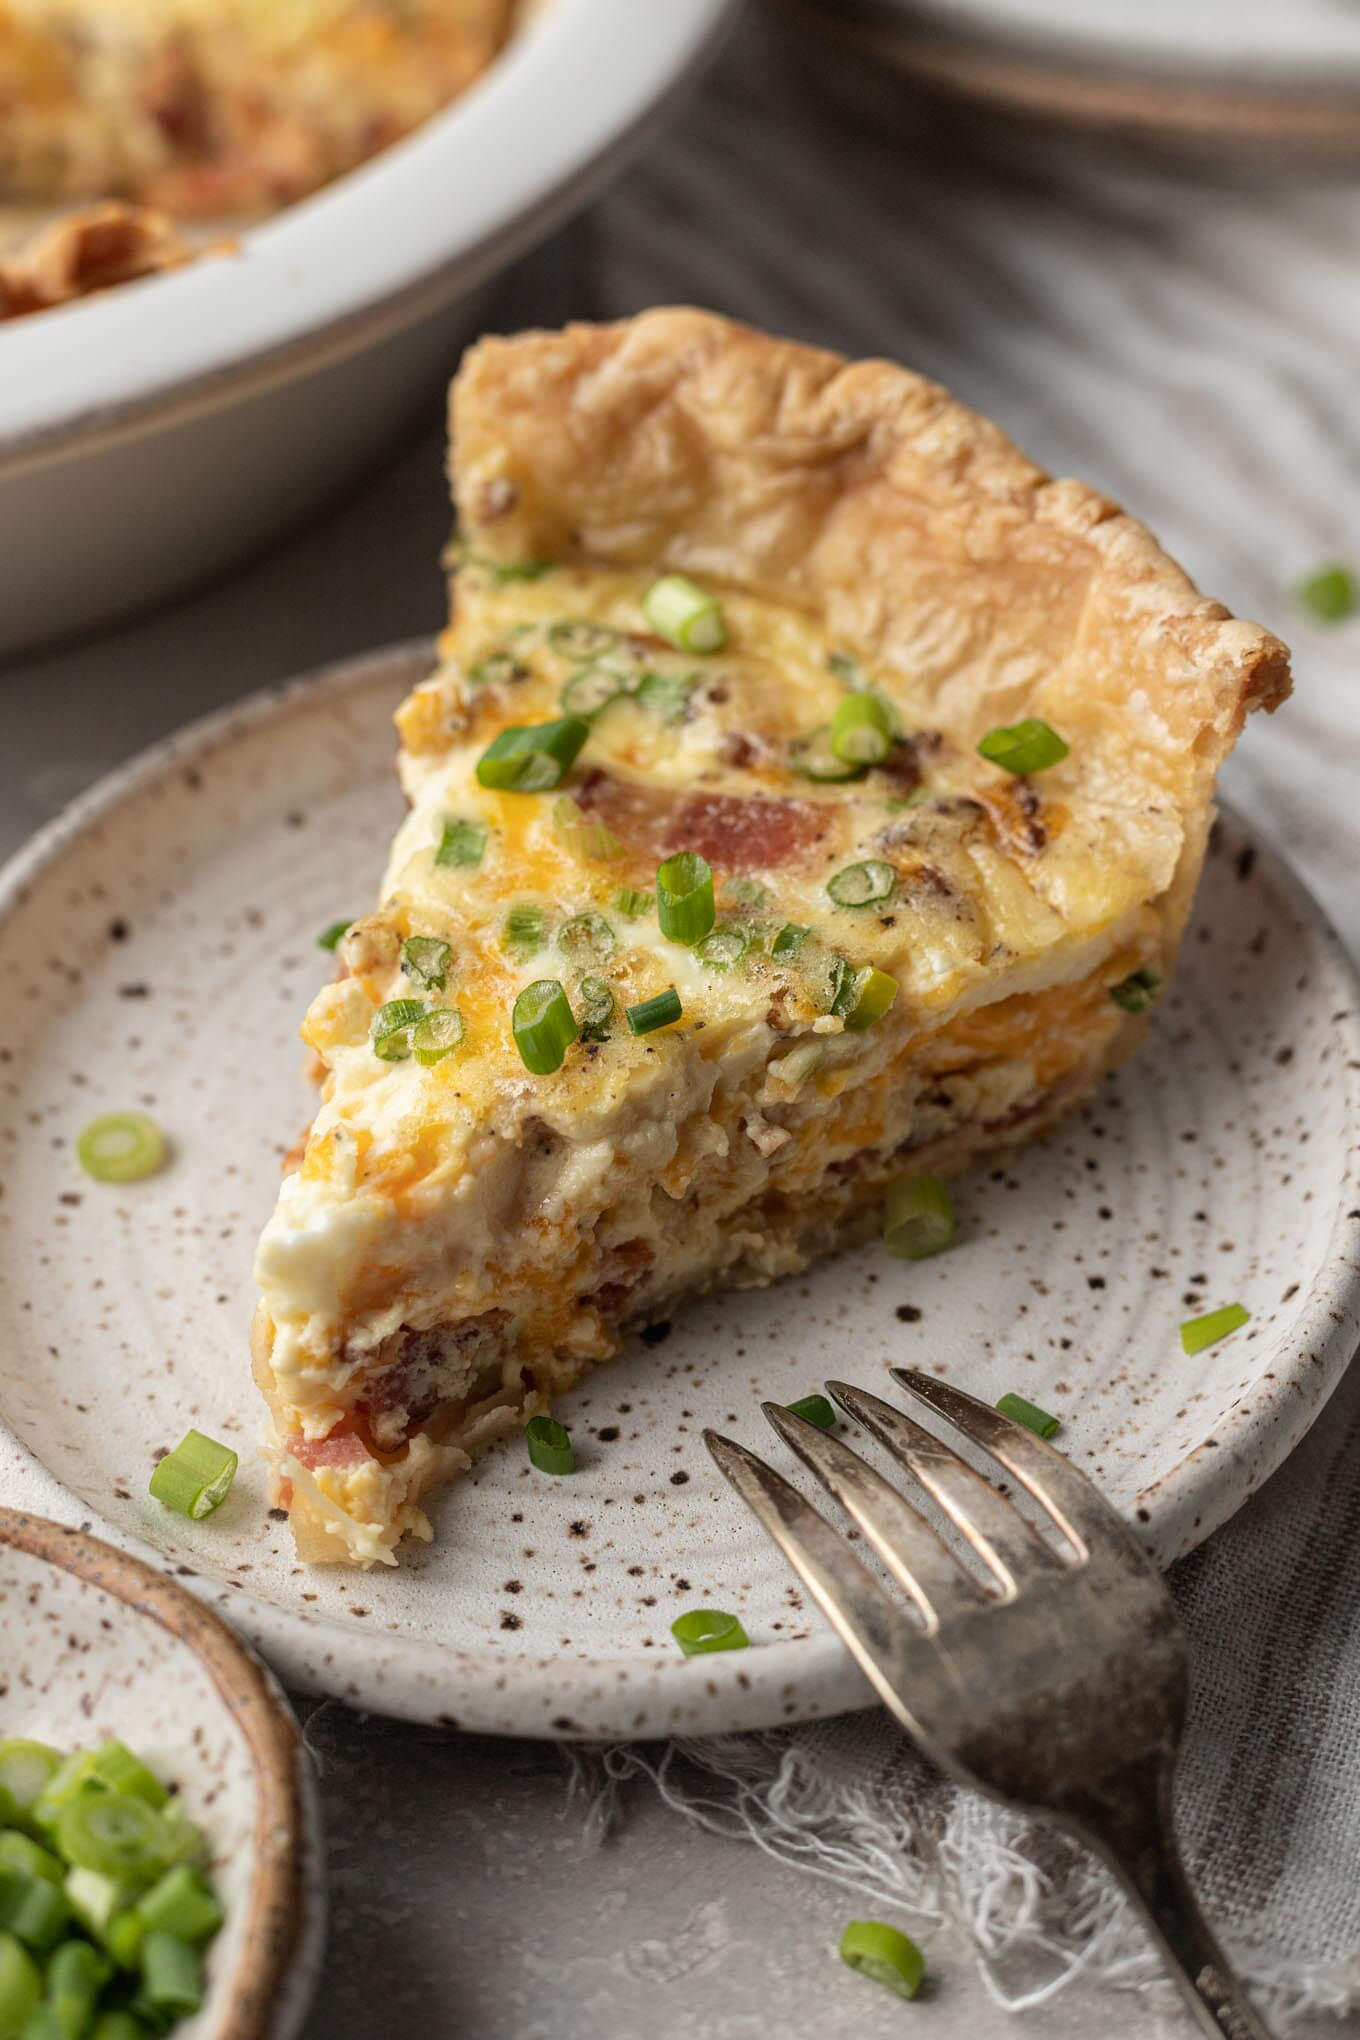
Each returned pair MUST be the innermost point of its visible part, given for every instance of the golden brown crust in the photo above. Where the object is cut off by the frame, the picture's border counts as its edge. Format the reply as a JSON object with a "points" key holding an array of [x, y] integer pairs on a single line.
{"points": [[860, 491], [91, 251]]}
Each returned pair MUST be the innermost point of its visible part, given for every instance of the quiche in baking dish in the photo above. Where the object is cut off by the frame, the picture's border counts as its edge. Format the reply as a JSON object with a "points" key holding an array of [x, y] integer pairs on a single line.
{"points": [[810, 793], [217, 107]]}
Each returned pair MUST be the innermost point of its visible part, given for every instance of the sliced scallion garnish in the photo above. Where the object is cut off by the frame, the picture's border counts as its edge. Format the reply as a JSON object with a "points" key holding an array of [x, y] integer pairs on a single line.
{"points": [[529, 758], [436, 1035], [684, 897], [587, 937], [664, 695], [1332, 594], [576, 639], [814, 1409], [31, 1909], [1137, 992], [181, 1903], [172, 1976], [121, 1147], [462, 843], [330, 937], [686, 615], [116, 1768], [724, 948], [1030, 1415], [113, 1835], [390, 1028], [708, 1629], [1199, 1332], [747, 893], [497, 669], [872, 993], [884, 1955], [630, 902], [591, 690], [544, 1026], [813, 757], [797, 1066], [789, 940], [862, 885], [862, 730], [194, 1479], [21, 1984], [550, 1447], [1028, 746], [525, 930], [662, 1011], [594, 1008], [426, 959], [26, 1769], [918, 1218], [845, 668]]}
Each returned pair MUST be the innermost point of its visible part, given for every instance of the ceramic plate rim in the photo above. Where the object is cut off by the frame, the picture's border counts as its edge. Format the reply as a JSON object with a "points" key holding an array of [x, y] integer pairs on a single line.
{"points": [[426, 1681]]}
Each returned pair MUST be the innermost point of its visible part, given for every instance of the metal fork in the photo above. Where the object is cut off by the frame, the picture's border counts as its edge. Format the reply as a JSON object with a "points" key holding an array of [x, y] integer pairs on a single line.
{"points": [[1060, 1687]]}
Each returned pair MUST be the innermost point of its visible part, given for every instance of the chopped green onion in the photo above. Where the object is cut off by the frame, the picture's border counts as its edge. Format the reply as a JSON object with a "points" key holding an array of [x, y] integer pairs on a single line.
{"points": [[706, 1629], [119, 2026], [390, 1030], [20, 1985], [587, 936], [121, 1147], [26, 1769], [427, 959], [725, 947], [594, 1008], [182, 1904], [662, 1011], [436, 1035], [1199, 1332], [75, 1774], [172, 1976], [684, 897], [1333, 594], [33, 1910], [579, 640], [112, 1835], [21, 1852], [797, 1066], [871, 994], [840, 987], [918, 1218], [462, 843], [789, 940], [1021, 747], [1030, 1415], [664, 695], [497, 669], [503, 572], [76, 1974], [861, 730], [549, 1444], [526, 929], [543, 1025], [814, 1409], [529, 758], [194, 1479], [745, 892], [97, 1900], [1137, 991], [589, 692], [845, 668], [330, 937], [630, 902], [685, 614], [118, 1769], [862, 885], [814, 758], [884, 1955], [45, 2024]]}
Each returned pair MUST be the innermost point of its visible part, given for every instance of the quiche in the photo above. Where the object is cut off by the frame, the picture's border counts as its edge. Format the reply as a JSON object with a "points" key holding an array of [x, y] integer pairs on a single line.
{"points": [[809, 797], [217, 107]]}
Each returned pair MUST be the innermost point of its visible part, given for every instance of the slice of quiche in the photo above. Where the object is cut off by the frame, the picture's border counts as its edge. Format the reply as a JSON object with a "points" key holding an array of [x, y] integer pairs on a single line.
{"points": [[810, 795]]}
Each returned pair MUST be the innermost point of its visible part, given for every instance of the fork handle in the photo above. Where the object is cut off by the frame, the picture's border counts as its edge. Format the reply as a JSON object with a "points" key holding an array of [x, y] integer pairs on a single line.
{"points": [[1129, 1822]]}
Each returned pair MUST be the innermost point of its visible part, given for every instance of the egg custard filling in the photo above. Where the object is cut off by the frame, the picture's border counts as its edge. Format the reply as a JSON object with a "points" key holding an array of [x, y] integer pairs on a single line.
{"points": [[809, 793]]}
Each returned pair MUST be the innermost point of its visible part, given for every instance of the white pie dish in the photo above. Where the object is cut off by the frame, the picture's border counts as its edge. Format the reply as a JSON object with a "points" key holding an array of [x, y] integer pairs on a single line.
{"points": [[155, 432], [185, 894]]}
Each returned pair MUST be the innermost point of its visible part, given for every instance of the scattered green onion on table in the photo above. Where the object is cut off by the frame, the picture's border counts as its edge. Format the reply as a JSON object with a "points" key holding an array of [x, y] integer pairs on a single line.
{"points": [[121, 1147], [104, 1906]]}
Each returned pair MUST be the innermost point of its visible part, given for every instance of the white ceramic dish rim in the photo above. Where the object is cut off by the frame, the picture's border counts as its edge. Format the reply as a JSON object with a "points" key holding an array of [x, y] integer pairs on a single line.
{"points": [[416, 1678], [431, 216]]}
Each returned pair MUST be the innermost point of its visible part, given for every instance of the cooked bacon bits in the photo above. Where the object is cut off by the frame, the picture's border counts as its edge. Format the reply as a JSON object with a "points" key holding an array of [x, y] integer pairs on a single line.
{"points": [[341, 1448], [735, 832]]}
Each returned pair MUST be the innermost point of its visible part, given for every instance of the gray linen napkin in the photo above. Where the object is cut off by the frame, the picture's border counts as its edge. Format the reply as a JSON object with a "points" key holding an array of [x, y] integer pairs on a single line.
{"points": [[1184, 337]]}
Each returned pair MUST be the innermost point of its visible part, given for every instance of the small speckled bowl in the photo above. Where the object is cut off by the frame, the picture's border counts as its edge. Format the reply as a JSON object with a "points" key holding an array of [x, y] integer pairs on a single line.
{"points": [[98, 1645]]}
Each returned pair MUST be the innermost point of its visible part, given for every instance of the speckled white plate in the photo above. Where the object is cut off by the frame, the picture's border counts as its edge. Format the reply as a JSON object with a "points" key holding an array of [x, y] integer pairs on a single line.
{"points": [[97, 1645], [157, 946]]}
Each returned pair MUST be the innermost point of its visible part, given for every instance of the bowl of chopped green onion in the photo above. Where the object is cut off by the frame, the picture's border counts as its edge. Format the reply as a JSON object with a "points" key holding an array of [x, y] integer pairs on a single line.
{"points": [[158, 1859]]}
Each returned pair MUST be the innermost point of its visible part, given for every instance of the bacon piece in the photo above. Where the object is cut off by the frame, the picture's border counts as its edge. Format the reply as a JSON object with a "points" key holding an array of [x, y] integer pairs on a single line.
{"points": [[342, 1448], [736, 832]]}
